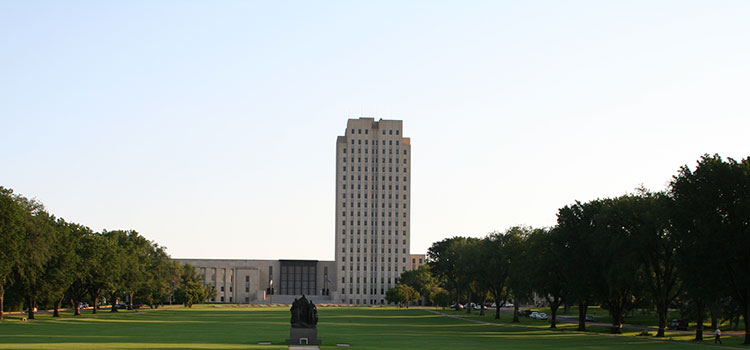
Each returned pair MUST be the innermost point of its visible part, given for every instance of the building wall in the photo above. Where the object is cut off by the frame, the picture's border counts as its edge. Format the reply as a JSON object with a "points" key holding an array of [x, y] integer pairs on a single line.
{"points": [[417, 260], [373, 210], [247, 281]]}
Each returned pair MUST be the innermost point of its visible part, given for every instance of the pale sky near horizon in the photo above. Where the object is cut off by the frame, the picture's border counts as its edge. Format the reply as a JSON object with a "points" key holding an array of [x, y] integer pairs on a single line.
{"points": [[210, 127]]}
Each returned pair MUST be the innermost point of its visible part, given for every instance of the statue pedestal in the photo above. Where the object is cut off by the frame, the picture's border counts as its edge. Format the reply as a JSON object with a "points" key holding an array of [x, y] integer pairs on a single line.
{"points": [[303, 336]]}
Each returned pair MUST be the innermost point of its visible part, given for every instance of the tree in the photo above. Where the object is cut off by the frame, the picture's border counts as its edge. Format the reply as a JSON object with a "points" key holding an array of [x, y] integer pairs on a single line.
{"points": [[103, 257], [657, 247], [575, 232], [420, 279], [445, 260], [496, 265], [440, 297], [190, 289], [712, 209], [545, 271], [34, 251], [407, 294], [59, 270], [162, 277], [470, 269], [521, 260], [402, 294], [86, 260], [11, 233], [616, 247]]}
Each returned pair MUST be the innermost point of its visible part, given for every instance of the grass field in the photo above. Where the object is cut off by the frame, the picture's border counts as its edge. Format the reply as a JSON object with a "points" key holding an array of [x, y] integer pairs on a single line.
{"points": [[217, 327]]}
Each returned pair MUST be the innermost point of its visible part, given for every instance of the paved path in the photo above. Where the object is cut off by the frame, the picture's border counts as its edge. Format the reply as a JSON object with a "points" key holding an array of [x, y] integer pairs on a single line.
{"points": [[586, 333]]}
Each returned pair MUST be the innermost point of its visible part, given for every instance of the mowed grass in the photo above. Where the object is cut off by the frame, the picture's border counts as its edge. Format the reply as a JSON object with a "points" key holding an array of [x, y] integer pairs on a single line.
{"points": [[729, 338], [215, 327]]}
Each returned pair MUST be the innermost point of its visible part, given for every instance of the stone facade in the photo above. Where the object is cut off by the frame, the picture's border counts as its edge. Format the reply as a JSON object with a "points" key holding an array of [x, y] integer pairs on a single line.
{"points": [[373, 186], [249, 281]]}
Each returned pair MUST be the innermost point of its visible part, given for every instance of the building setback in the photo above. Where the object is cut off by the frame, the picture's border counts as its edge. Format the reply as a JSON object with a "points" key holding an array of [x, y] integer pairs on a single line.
{"points": [[373, 187]]}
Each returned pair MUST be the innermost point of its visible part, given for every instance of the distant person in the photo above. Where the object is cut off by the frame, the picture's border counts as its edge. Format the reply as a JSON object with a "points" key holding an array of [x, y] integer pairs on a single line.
{"points": [[717, 333]]}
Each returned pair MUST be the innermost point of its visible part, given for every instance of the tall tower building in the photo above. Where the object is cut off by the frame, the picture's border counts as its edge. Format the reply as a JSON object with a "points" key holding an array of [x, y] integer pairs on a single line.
{"points": [[373, 186]]}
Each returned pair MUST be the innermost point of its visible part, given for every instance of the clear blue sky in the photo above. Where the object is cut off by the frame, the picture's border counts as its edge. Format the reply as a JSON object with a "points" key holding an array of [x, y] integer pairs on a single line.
{"points": [[210, 126]]}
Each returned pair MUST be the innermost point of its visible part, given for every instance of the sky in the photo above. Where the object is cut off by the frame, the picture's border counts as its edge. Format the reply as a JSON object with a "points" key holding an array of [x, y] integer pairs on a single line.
{"points": [[210, 126]]}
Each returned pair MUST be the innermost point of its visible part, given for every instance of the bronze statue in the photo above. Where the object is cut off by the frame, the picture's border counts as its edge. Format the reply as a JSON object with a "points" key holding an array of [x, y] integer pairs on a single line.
{"points": [[304, 313]]}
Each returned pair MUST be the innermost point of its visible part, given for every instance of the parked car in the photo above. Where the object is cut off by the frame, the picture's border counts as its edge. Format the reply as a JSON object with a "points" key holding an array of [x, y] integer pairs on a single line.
{"points": [[542, 316], [83, 305], [460, 307], [534, 315], [677, 324], [479, 307], [589, 318], [524, 313], [470, 305]]}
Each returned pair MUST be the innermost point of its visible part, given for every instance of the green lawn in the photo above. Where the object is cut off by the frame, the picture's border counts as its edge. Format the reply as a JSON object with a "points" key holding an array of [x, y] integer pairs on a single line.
{"points": [[213, 327], [525, 322], [645, 318]]}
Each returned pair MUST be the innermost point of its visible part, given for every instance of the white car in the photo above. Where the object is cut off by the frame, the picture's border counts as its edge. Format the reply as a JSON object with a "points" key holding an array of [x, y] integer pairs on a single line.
{"points": [[542, 316], [534, 315]]}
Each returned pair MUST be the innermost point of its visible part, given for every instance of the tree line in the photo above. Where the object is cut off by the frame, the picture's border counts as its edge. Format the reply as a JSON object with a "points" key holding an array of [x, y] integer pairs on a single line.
{"points": [[686, 247], [47, 262]]}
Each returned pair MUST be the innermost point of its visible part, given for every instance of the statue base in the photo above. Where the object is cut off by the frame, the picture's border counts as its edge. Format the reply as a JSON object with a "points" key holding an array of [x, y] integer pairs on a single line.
{"points": [[303, 336]]}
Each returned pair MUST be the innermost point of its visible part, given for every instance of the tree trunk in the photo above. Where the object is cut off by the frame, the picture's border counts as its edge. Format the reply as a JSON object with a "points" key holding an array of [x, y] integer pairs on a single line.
{"points": [[515, 311], [617, 311], [582, 308], [130, 301], [2, 297], [95, 296], [57, 308], [481, 307], [617, 316], [113, 301], [76, 306], [31, 308], [553, 310], [699, 325], [661, 309], [458, 298], [468, 303], [497, 310], [746, 312]]}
